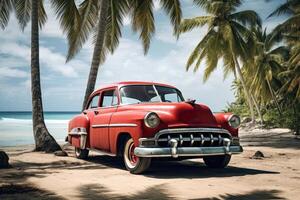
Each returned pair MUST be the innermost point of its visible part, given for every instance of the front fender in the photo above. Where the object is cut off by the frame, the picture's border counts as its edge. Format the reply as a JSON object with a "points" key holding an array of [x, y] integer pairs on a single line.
{"points": [[222, 120]]}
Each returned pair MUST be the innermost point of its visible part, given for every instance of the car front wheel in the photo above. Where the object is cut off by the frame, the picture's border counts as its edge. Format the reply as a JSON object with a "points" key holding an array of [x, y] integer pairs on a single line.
{"points": [[134, 164], [217, 161], [81, 153]]}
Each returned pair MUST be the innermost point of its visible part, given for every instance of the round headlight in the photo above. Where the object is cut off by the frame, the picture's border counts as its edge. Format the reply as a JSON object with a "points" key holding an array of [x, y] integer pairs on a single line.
{"points": [[234, 121], [151, 120]]}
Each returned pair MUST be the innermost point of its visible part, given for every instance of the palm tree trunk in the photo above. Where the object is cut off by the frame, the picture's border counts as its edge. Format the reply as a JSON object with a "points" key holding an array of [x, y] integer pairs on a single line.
{"points": [[296, 118], [274, 97], [248, 96], [97, 51], [257, 108], [43, 140]]}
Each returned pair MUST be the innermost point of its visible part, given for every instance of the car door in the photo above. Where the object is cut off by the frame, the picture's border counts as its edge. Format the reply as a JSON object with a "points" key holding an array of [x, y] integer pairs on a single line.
{"points": [[101, 118], [92, 108]]}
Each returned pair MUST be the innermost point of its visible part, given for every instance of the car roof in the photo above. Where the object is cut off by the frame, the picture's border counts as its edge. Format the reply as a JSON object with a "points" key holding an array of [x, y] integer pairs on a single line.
{"points": [[125, 83]]}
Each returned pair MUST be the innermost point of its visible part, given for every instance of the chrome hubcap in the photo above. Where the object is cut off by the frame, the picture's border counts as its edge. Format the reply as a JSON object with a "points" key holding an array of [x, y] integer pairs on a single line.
{"points": [[130, 158]]}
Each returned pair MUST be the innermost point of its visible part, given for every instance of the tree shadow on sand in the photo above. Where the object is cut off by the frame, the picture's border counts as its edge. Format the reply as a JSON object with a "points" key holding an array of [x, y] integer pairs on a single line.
{"points": [[97, 191], [279, 140], [256, 194], [27, 170], [158, 192], [25, 192]]}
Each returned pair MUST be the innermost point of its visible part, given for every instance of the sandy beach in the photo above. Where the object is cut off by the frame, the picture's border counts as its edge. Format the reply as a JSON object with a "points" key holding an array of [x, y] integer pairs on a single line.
{"points": [[45, 176]]}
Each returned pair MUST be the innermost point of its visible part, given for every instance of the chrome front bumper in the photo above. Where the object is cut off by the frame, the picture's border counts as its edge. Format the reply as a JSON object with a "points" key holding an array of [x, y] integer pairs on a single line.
{"points": [[186, 151], [210, 141]]}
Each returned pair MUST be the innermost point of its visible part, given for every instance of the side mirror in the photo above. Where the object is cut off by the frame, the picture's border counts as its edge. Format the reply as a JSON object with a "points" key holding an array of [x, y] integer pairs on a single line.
{"points": [[190, 101]]}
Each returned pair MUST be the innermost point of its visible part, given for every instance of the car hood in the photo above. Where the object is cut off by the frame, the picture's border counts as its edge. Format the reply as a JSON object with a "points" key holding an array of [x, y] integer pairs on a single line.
{"points": [[181, 114]]}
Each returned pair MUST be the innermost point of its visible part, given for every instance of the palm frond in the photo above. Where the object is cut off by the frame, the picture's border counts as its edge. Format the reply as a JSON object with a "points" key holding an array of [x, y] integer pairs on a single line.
{"points": [[212, 56], [285, 8], [189, 24], [196, 52], [173, 9], [88, 13], [215, 6], [69, 19], [290, 25], [23, 11], [116, 14], [143, 21], [42, 14], [246, 17], [282, 51], [5, 9]]}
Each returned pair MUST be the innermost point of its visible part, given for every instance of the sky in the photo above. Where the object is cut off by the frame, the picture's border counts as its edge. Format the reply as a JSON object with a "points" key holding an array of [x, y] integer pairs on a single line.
{"points": [[63, 84]]}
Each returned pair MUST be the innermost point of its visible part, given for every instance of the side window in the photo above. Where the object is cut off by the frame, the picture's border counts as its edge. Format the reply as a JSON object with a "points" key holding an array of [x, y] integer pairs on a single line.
{"points": [[109, 98], [115, 98], [172, 97], [94, 102]]}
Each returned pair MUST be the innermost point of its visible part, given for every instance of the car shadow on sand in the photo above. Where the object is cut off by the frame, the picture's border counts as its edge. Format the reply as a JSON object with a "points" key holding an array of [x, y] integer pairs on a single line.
{"points": [[165, 169]]}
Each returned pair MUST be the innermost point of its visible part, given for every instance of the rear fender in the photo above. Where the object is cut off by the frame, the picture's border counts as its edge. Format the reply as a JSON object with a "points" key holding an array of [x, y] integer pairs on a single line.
{"points": [[78, 135]]}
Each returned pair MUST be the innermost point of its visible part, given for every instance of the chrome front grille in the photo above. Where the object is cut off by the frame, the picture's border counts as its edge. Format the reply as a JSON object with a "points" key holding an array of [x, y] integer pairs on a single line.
{"points": [[193, 137]]}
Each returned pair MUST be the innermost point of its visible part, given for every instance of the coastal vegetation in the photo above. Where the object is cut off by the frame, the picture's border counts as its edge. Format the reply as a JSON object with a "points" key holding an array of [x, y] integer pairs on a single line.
{"points": [[266, 65]]}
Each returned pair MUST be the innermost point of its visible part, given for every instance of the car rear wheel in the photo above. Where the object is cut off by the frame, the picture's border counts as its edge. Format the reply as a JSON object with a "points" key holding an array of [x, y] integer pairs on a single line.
{"points": [[134, 164], [81, 153], [217, 161]]}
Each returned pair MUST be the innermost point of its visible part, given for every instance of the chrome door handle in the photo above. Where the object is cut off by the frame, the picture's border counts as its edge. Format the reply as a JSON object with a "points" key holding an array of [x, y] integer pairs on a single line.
{"points": [[96, 112]]}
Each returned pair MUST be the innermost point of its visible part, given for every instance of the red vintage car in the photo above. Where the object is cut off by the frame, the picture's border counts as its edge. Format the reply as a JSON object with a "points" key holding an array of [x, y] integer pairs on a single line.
{"points": [[143, 120]]}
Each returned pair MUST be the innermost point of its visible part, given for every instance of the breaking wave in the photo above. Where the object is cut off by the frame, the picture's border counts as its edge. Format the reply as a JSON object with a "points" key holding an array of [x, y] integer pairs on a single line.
{"points": [[29, 121]]}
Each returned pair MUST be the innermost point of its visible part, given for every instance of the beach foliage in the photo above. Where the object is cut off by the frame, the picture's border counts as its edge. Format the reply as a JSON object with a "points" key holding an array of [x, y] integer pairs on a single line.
{"points": [[270, 71]]}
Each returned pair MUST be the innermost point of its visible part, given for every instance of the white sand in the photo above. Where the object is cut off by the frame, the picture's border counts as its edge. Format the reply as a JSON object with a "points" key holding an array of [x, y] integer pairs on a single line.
{"points": [[45, 176]]}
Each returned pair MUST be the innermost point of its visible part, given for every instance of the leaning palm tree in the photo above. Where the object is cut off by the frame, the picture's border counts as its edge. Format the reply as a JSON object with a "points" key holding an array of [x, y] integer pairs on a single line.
{"points": [[105, 18], [43, 140], [265, 66], [34, 10], [228, 38]]}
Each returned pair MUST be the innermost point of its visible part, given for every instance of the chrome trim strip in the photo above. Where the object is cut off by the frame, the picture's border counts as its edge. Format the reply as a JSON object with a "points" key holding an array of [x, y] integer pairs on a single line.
{"points": [[127, 125], [100, 125], [113, 125]]}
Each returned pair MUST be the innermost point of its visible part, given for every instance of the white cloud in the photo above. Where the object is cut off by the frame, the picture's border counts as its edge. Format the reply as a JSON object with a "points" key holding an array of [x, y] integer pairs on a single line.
{"points": [[56, 62], [48, 58], [13, 73]]}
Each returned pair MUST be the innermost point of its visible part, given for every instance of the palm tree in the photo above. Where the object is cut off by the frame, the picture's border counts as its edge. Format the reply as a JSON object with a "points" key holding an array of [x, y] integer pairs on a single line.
{"points": [[227, 38], [292, 74], [267, 63], [106, 18], [290, 31], [34, 9], [43, 140]]}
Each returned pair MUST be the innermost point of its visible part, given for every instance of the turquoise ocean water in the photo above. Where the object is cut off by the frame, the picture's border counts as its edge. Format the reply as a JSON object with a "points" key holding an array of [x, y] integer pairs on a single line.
{"points": [[16, 127]]}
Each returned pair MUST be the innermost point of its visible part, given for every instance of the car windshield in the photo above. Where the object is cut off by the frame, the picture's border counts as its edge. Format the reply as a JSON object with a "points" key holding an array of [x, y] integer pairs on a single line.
{"points": [[133, 94]]}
